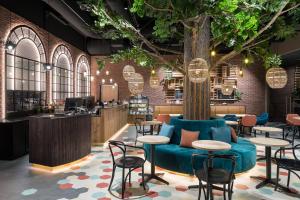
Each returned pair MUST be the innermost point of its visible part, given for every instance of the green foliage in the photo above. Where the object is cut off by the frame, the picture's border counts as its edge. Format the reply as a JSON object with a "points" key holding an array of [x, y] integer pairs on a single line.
{"points": [[136, 54], [272, 60], [233, 23], [101, 64]]}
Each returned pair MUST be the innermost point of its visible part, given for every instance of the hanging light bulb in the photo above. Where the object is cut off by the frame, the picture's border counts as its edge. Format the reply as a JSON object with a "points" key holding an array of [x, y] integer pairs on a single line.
{"points": [[92, 78], [246, 60], [241, 73], [107, 72], [85, 74], [115, 84], [152, 71], [213, 53], [97, 72], [111, 80], [103, 81]]}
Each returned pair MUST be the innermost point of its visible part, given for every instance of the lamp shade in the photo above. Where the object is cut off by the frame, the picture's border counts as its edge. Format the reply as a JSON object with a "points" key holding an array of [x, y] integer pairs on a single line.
{"points": [[128, 70], [154, 81], [198, 70], [276, 77], [227, 89], [136, 83]]}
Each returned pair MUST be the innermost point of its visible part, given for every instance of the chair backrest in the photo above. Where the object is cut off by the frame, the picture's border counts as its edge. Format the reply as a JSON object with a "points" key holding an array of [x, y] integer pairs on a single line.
{"points": [[290, 119], [296, 151], [138, 123], [249, 120], [228, 163], [164, 118], [230, 117], [118, 145]]}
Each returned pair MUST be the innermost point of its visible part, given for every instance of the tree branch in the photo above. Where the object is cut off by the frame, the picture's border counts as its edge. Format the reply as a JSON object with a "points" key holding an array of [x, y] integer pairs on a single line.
{"points": [[291, 8], [157, 9], [234, 53]]}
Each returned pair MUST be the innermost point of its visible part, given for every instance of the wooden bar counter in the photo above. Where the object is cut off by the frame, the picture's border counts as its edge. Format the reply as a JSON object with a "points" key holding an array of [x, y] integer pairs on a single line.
{"points": [[59, 140], [110, 121]]}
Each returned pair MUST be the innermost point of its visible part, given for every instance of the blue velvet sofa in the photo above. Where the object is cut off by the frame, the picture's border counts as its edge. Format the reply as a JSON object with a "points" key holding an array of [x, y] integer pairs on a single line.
{"points": [[176, 158]]}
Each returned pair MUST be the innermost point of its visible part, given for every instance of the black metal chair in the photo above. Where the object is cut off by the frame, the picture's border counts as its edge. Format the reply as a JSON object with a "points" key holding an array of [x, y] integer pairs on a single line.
{"points": [[139, 128], [213, 176], [291, 165], [126, 162]]}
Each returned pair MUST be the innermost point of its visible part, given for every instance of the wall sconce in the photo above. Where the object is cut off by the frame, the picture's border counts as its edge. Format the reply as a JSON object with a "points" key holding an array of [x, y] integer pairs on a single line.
{"points": [[103, 81], [48, 66], [107, 72], [9, 45]]}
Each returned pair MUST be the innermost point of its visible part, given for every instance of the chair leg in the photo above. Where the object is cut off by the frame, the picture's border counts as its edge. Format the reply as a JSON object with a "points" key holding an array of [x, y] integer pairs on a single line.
{"points": [[224, 191], [143, 179], [289, 177], [129, 176], [254, 133], [207, 191], [277, 179], [112, 177], [123, 182], [200, 188]]}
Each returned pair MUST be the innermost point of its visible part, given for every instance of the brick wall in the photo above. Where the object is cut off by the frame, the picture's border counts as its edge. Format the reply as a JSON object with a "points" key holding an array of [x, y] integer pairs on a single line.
{"points": [[53, 43], [252, 84]]}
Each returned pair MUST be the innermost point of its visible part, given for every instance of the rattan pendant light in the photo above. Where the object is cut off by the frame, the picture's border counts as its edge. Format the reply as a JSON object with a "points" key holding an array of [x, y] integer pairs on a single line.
{"points": [[198, 70], [128, 70], [276, 77], [136, 84]]}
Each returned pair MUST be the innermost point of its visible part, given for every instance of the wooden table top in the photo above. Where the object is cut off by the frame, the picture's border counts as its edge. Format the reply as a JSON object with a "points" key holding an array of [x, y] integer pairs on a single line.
{"points": [[153, 139], [269, 142], [267, 129], [232, 122], [153, 122], [237, 115], [211, 145]]}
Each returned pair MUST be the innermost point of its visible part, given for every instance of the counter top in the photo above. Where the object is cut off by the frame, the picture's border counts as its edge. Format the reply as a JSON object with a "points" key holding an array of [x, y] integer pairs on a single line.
{"points": [[58, 116]]}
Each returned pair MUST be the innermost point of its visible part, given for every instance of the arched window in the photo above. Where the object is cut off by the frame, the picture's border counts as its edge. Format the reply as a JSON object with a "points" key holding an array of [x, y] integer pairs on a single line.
{"points": [[25, 75], [62, 74], [83, 77]]}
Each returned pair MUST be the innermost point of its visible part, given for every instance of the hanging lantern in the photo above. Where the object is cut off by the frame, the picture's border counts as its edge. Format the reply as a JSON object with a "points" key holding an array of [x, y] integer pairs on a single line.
{"points": [[227, 89], [154, 81], [198, 70], [276, 77], [128, 70], [136, 83]]}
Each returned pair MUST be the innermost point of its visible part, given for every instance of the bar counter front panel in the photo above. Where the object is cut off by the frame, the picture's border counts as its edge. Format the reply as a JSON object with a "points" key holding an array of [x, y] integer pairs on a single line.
{"points": [[55, 141], [108, 123]]}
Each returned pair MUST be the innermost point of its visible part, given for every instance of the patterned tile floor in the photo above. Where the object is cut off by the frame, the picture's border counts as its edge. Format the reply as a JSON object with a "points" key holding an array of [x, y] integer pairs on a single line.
{"points": [[90, 181]]}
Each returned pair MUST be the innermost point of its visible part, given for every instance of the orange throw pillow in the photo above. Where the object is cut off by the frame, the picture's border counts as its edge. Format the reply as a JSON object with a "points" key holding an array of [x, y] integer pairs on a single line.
{"points": [[187, 137], [233, 135]]}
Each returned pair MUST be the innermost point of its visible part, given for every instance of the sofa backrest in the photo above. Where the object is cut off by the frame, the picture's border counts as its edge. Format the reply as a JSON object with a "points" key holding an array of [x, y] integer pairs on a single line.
{"points": [[194, 125]]}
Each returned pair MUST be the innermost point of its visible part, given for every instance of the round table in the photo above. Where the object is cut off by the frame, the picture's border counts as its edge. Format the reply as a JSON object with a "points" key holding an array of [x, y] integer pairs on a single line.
{"points": [[267, 130], [232, 123], [153, 140], [268, 143], [237, 115], [151, 124], [210, 146]]}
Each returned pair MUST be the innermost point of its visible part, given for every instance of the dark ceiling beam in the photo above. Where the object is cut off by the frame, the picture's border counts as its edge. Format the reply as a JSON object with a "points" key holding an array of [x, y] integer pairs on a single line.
{"points": [[72, 18]]}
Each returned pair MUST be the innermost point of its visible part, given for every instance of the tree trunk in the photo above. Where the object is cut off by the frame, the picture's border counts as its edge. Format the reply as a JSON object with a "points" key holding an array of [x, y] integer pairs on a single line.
{"points": [[197, 95]]}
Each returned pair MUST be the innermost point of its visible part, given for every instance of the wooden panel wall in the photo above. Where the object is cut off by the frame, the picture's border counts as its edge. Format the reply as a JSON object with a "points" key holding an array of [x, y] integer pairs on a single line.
{"points": [[60, 140], [110, 122]]}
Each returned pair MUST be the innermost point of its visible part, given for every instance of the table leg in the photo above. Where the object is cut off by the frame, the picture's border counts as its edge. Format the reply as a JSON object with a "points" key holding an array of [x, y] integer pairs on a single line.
{"points": [[268, 179], [267, 135], [152, 174], [151, 129]]}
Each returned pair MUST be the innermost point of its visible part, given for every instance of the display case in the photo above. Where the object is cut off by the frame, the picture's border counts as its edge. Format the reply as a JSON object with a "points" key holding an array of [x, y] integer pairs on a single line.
{"points": [[138, 105]]}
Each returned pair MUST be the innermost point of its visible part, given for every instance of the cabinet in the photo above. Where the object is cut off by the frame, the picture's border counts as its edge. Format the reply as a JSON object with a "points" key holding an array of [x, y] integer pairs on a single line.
{"points": [[138, 105]]}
